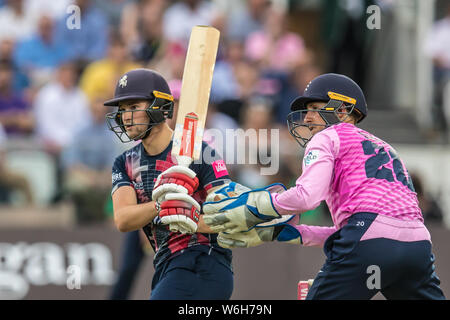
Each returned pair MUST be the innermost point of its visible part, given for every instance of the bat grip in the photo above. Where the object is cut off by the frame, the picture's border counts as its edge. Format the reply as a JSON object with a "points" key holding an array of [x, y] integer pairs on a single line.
{"points": [[184, 161]]}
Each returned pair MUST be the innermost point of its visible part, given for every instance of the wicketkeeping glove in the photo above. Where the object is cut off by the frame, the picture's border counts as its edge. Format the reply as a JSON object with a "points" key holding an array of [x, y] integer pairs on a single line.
{"points": [[241, 213], [277, 229]]}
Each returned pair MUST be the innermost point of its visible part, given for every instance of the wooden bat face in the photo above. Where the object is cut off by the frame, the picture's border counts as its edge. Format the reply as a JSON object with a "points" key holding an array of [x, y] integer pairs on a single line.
{"points": [[194, 97]]}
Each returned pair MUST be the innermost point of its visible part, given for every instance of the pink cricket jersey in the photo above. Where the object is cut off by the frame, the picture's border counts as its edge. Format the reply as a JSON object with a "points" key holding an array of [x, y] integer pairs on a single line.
{"points": [[353, 171]]}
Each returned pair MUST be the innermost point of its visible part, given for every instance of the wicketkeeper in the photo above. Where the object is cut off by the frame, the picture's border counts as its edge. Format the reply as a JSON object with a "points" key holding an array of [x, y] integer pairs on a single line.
{"points": [[377, 221]]}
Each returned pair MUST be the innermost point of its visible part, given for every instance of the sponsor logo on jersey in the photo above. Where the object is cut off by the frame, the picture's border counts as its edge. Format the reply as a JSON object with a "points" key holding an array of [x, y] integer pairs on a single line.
{"points": [[311, 157], [116, 176], [220, 168]]}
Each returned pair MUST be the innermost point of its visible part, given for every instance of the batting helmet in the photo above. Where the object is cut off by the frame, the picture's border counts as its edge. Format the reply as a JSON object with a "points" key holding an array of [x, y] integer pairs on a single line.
{"points": [[342, 95], [140, 84]]}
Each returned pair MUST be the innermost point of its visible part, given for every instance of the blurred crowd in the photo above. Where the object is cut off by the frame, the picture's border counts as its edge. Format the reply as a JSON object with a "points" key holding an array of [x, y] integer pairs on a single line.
{"points": [[55, 75]]}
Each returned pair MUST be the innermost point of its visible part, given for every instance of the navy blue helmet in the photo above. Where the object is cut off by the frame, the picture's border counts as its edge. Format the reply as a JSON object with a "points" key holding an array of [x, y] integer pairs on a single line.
{"points": [[140, 84], [342, 96]]}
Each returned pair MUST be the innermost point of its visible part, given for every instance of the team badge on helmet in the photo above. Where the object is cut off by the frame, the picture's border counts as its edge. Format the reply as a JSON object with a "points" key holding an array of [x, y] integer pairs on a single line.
{"points": [[123, 81]]}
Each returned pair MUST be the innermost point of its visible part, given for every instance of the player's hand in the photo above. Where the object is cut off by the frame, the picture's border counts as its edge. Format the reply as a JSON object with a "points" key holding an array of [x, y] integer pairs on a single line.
{"points": [[240, 213], [277, 229], [176, 179], [180, 211]]}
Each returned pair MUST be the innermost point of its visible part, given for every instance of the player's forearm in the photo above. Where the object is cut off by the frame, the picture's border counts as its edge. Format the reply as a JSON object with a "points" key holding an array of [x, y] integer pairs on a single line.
{"points": [[134, 217], [315, 235], [295, 200]]}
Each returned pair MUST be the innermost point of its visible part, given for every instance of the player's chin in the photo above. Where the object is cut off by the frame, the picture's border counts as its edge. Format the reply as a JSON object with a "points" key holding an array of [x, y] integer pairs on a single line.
{"points": [[133, 133]]}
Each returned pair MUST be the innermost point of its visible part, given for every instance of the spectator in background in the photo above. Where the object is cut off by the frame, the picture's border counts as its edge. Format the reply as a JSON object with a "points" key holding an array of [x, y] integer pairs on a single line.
{"points": [[170, 64], [100, 76], [40, 55], [277, 52], [347, 37], [11, 182], [21, 80], [431, 210], [275, 48], [61, 110], [224, 83], [247, 19], [87, 162], [113, 9], [52, 8], [15, 113], [90, 41], [256, 116], [182, 15], [292, 85], [17, 22], [247, 75], [141, 28], [437, 47]]}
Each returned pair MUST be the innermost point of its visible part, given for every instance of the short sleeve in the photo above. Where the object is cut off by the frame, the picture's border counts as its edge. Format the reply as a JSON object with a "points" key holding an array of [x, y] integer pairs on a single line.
{"points": [[119, 174]]}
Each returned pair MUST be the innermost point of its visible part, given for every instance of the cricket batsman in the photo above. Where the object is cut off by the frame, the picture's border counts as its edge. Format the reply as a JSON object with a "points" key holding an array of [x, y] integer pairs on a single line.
{"points": [[370, 195], [149, 187]]}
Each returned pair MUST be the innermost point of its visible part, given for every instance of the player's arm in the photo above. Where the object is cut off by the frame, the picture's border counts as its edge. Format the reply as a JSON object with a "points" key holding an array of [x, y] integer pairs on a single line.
{"points": [[315, 235], [313, 186], [128, 214], [261, 205], [285, 230]]}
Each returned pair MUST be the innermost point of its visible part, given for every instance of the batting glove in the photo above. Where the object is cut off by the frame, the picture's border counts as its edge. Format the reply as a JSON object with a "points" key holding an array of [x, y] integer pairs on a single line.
{"points": [[277, 229], [176, 179], [180, 211], [241, 213]]}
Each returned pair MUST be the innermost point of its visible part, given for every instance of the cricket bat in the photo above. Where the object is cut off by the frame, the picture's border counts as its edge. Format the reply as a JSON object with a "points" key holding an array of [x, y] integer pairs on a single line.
{"points": [[194, 96]]}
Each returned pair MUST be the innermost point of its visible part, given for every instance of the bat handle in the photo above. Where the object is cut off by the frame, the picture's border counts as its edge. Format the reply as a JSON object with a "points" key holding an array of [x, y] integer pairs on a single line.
{"points": [[184, 161]]}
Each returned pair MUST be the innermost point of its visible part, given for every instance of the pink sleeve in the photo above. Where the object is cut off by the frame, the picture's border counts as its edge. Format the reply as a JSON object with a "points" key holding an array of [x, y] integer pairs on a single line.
{"points": [[312, 235], [313, 186], [315, 235]]}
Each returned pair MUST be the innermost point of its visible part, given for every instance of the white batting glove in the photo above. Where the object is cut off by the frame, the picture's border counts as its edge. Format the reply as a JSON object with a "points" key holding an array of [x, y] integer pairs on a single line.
{"points": [[181, 212]]}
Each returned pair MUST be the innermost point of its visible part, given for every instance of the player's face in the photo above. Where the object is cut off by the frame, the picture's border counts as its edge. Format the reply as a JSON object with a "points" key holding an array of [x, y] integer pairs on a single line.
{"points": [[313, 118], [134, 117]]}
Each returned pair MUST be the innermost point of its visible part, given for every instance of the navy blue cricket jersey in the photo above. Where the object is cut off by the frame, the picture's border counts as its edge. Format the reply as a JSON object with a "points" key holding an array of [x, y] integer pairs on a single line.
{"points": [[139, 170]]}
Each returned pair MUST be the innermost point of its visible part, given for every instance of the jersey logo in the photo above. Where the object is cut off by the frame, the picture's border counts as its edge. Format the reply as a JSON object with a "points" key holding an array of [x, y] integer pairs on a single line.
{"points": [[220, 168], [116, 176], [311, 157]]}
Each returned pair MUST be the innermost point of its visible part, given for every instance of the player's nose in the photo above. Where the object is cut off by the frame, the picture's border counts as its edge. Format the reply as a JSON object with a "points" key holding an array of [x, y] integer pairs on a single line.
{"points": [[309, 116], [127, 117]]}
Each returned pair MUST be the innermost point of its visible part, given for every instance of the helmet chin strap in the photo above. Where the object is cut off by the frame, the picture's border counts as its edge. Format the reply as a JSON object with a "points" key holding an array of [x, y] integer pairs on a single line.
{"points": [[146, 133]]}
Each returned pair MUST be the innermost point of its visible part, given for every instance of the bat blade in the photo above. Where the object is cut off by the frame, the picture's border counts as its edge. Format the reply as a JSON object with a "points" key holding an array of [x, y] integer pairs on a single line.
{"points": [[194, 96]]}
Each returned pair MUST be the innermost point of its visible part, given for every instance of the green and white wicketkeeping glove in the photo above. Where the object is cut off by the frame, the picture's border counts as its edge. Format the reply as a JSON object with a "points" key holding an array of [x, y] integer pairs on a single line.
{"points": [[275, 230], [242, 212]]}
